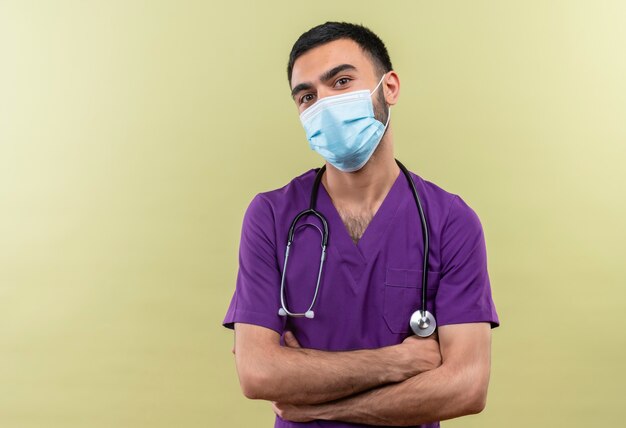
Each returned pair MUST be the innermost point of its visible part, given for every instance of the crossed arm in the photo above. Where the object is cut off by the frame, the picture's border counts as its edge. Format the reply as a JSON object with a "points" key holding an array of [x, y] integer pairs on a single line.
{"points": [[400, 385]]}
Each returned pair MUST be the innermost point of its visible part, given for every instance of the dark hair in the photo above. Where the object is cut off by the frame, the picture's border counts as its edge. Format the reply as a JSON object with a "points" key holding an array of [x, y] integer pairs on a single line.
{"points": [[330, 31]]}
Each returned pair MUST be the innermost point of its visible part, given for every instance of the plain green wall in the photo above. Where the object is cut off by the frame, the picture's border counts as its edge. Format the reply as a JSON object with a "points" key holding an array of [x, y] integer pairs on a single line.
{"points": [[134, 134]]}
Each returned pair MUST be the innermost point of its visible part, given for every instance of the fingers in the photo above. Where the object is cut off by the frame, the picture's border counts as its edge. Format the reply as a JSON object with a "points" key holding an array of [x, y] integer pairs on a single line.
{"points": [[291, 341]]}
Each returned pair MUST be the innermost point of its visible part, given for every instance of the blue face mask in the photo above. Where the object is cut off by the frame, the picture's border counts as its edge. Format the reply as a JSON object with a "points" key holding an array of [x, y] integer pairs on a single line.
{"points": [[342, 128]]}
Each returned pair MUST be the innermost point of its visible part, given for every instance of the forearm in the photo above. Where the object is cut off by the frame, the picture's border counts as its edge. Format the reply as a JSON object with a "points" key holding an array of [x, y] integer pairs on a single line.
{"points": [[435, 395], [308, 376]]}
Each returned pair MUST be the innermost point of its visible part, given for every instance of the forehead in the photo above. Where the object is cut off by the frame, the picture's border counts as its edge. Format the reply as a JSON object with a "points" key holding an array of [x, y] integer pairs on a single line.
{"points": [[309, 66]]}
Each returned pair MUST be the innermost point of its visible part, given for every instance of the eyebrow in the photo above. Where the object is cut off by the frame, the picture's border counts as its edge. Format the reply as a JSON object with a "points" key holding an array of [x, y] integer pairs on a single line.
{"points": [[327, 75]]}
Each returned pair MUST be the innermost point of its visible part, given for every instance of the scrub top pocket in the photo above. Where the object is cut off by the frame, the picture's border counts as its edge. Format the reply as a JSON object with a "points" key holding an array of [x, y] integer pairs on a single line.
{"points": [[403, 296]]}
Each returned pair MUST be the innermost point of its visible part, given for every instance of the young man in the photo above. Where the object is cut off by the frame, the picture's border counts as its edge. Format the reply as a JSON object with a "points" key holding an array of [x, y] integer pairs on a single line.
{"points": [[344, 353]]}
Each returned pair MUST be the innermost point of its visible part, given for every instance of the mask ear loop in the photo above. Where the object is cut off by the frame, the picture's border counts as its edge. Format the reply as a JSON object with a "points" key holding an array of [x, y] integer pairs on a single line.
{"points": [[388, 107], [388, 116], [379, 82]]}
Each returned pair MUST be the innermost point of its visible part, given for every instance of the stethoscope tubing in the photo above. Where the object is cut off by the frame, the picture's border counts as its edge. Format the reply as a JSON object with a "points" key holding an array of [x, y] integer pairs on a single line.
{"points": [[424, 233], [422, 322]]}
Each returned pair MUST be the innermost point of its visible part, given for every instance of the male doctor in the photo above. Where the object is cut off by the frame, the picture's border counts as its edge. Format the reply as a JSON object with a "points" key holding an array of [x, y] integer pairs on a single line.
{"points": [[354, 360]]}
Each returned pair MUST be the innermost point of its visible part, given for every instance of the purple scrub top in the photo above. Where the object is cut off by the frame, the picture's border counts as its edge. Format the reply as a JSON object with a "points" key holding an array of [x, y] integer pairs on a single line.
{"points": [[368, 290]]}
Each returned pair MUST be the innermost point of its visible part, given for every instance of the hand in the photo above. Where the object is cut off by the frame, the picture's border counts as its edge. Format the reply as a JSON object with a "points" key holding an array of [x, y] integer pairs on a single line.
{"points": [[291, 341], [293, 412], [423, 353]]}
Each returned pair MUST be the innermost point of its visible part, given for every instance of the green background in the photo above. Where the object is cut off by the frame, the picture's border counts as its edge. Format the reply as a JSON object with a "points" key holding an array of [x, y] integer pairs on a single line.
{"points": [[133, 135]]}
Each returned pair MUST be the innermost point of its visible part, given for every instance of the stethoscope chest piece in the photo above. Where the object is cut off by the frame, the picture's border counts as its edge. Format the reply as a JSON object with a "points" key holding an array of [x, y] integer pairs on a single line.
{"points": [[423, 326]]}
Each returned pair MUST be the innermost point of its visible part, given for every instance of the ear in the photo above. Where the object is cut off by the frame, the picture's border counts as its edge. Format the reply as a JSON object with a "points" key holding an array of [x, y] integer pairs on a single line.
{"points": [[391, 87]]}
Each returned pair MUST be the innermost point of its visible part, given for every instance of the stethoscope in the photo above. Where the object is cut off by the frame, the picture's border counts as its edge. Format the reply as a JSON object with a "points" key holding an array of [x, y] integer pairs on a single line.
{"points": [[422, 322]]}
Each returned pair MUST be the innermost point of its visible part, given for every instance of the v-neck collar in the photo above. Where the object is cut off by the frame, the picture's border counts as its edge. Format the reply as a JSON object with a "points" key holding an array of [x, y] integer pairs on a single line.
{"points": [[357, 256]]}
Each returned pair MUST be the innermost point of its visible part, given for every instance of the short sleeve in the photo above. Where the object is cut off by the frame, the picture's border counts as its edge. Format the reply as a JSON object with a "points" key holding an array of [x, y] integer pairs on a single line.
{"points": [[464, 293], [256, 298]]}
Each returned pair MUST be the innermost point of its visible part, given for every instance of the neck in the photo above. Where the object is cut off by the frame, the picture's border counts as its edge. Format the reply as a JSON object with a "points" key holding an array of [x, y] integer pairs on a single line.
{"points": [[368, 186]]}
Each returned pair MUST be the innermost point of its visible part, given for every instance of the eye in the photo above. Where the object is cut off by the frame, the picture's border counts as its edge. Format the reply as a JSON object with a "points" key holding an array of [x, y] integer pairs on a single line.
{"points": [[306, 98], [342, 81]]}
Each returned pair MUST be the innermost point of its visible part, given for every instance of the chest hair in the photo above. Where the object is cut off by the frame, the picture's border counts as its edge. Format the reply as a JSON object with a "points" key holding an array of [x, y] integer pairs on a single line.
{"points": [[355, 222]]}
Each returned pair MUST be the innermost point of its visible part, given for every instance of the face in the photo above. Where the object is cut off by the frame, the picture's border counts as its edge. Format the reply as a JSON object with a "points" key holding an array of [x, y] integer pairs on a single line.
{"points": [[334, 68]]}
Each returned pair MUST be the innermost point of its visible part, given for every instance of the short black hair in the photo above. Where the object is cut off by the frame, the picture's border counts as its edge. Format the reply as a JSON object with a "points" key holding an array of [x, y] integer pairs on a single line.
{"points": [[331, 31]]}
